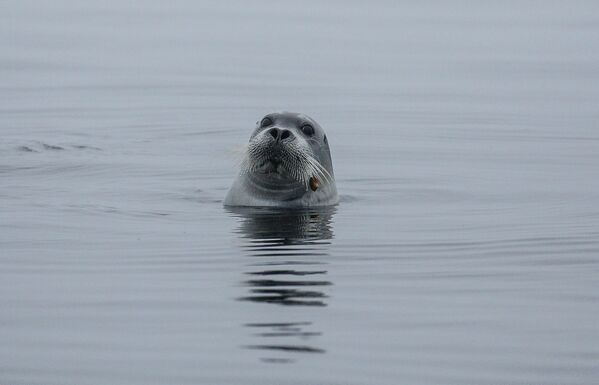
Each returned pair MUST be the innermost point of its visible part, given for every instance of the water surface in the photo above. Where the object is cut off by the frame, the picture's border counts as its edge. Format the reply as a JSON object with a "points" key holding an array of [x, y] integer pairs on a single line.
{"points": [[465, 249]]}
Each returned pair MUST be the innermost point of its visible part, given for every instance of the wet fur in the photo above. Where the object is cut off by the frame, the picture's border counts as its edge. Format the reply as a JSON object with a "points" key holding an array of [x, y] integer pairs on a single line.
{"points": [[284, 173], [297, 161]]}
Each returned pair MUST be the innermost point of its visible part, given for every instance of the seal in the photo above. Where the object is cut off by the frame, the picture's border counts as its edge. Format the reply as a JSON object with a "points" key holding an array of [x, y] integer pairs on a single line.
{"points": [[287, 164]]}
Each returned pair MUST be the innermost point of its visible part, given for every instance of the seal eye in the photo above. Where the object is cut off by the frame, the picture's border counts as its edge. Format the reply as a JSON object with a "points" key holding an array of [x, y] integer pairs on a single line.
{"points": [[266, 122], [308, 130]]}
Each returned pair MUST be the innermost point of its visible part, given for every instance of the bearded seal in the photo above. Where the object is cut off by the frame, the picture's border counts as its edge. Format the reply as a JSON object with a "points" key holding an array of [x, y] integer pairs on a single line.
{"points": [[287, 164]]}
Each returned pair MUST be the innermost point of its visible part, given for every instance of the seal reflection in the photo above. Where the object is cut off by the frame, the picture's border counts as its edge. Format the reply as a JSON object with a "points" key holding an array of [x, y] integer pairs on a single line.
{"points": [[288, 250]]}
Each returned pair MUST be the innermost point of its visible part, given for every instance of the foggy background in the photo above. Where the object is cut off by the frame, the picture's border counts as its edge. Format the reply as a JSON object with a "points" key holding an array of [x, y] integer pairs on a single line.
{"points": [[464, 141]]}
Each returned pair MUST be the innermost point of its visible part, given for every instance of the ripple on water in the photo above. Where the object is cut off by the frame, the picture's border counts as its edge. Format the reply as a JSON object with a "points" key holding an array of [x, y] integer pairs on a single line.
{"points": [[287, 240]]}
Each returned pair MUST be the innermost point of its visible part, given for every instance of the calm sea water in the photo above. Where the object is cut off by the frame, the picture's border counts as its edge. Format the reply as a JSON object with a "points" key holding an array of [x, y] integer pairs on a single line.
{"points": [[465, 249]]}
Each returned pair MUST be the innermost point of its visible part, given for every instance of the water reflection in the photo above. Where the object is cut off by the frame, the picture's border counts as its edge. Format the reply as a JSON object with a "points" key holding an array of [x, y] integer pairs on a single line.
{"points": [[287, 268]]}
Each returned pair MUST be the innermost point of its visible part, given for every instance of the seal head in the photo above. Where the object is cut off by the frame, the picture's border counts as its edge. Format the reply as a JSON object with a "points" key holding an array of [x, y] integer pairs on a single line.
{"points": [[287, 164]]}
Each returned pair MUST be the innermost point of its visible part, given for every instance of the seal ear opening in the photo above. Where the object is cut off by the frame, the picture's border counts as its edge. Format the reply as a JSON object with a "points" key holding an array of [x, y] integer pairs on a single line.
{"points": [[326, 140]]}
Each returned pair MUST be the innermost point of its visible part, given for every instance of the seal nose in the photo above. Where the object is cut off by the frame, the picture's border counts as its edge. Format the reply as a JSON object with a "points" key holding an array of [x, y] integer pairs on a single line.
{"points": [[279, 134]]}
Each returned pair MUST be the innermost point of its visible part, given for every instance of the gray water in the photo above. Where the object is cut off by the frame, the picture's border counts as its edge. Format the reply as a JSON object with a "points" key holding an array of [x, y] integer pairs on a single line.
{"points": [[465, 249]]}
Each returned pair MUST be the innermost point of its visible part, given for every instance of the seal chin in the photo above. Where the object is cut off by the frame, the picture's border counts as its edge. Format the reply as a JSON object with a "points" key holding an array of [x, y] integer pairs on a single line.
{"points": [[275, 171]]}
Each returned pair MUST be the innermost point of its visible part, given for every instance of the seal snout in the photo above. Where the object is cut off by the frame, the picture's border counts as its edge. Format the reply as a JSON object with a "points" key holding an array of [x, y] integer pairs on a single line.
{"points": [[280, 134]]}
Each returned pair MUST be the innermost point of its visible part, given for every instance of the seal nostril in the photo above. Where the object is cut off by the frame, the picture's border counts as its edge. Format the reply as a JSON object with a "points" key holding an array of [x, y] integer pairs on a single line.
{"points": [[285, 134], [274, 132]]}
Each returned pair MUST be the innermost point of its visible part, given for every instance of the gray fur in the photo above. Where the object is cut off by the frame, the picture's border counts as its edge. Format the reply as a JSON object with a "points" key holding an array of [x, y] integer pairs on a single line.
{"points": [[276, 170]]}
